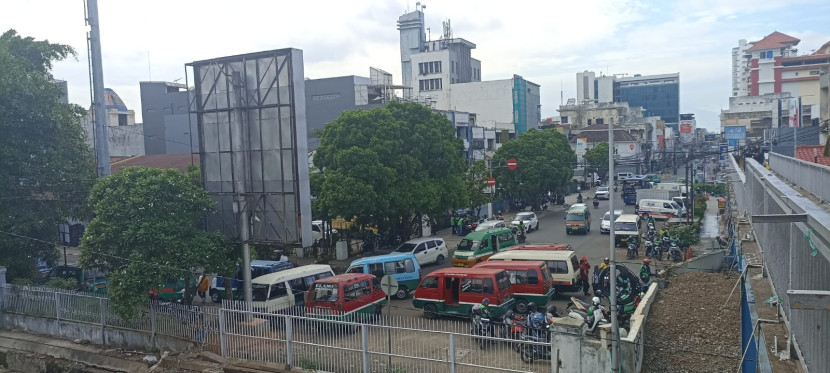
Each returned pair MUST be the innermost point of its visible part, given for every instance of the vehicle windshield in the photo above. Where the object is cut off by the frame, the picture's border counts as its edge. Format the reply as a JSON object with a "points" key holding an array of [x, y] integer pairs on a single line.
{"points": [[607, 216], [675, 206], [624, 226], [602, 189], [575, 217], [259, 292], [467, 245], [325, 292], [524, 216], [405, 248], [502, 280]]}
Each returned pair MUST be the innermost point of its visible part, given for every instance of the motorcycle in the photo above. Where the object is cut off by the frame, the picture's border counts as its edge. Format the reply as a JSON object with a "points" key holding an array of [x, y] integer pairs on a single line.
{"points": [[521, 237], [632, 252], [536, 347], [578, 304], [650, 249], [516, 325], [598, 317], [483, 324], [663, 247], [596, 203], [579, 198], [674, 251]]}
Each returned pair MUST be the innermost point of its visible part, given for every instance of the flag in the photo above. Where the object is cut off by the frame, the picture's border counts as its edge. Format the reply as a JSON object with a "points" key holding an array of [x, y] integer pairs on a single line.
{"points": [[793, 112]]}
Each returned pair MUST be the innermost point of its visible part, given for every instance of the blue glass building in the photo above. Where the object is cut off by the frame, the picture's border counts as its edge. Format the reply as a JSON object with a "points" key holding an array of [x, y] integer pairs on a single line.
{"points": [[658, 95]]}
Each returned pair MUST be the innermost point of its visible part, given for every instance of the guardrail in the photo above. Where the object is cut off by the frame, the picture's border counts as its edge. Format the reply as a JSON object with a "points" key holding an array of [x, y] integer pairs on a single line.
{"points": [[812, 177]]}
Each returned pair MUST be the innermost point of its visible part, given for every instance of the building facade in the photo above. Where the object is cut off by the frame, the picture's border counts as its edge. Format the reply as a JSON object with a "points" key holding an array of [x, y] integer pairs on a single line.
{"points": [[740, 69], [589, 113], [658, 95], [125, 137], [514, 102], [168, 126]]}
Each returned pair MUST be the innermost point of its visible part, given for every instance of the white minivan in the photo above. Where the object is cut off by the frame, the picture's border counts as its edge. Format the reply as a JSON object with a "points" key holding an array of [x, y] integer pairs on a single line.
{"points": [[278, 291], [659, 208]]}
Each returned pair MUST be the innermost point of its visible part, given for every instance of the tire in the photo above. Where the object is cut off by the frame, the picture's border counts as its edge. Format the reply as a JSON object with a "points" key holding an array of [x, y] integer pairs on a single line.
{"points": [[214, 296], [567, 232], [430, 311], [521, 305], [402, 293], [527, 354], [439, 260]]}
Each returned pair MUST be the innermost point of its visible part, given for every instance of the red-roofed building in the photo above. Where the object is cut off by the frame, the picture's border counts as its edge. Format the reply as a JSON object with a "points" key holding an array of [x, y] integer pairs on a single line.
{"points": [[163, 161], [813, 154]]}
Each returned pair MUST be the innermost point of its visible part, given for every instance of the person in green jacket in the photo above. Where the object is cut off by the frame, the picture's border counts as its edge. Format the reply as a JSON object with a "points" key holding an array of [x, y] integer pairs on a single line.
{"points": [[452, 224]]}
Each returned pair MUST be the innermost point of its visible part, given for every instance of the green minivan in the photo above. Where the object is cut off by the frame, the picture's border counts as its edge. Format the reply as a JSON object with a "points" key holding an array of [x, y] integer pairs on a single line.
{"points": [[476, 247]]}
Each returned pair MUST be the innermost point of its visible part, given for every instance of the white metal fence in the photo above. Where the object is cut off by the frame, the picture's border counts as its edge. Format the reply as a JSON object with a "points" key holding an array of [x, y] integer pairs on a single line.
{"points": [[812, 177], [796, 255]]}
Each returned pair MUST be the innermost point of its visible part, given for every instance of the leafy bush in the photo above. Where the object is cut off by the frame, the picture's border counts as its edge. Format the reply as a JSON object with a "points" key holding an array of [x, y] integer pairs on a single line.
{"points": [[686, 234], [62, 283], [712, 189], [700, 207]]}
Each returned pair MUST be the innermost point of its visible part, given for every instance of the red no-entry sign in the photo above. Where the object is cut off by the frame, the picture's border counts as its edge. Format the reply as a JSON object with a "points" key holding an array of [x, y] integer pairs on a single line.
{"points": [[512, 164], [491, 181]]}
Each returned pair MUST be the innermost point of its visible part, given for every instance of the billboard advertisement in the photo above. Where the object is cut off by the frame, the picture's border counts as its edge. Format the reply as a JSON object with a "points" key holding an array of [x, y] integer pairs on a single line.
{"points": [[581, 146], [734, 132], [792, 109], [723, 151], [685, 127]]}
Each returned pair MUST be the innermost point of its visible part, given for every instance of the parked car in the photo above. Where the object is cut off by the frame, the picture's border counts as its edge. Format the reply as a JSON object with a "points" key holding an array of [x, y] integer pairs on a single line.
{"points": [[402, 266], [454, 291], [490, 224], [528, 218], [602, 193], [278, 291], [258, 268], [605, 225], [426, 250], [562, 264]]}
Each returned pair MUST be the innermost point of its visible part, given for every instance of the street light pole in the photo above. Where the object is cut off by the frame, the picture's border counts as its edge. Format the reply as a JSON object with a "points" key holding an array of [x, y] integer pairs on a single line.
{"points": [[615, 348]]}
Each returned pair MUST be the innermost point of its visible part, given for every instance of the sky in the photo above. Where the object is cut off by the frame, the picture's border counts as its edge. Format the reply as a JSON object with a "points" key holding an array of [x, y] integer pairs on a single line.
{"points": [[546, 42]]}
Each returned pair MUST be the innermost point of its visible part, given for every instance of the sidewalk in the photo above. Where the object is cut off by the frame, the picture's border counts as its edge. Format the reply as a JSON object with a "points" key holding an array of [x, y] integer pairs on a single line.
{"points": [[710, 227]]}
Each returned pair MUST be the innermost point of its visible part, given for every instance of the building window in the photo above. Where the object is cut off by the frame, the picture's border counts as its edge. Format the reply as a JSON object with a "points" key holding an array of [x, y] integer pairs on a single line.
{"points": [[565, 120], [430, 84]]}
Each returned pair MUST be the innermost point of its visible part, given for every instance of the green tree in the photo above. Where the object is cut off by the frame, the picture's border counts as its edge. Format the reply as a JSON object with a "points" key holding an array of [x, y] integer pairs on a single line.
{"points": [[146, 230], [389, 166], [475, 182], [596, 160], [545, 162], [46, 167]]}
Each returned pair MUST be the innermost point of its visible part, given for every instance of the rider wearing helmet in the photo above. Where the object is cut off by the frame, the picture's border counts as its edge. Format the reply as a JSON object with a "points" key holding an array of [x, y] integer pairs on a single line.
{"points": [[645, 271], [605, 264], [481, 308], [535, 319]]}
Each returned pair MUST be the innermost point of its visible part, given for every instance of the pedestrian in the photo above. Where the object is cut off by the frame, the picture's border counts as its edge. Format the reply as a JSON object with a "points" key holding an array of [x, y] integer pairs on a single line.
{"points": [[460, 222], [452, 224], [596, 278], [203, 283], [584, 268]]}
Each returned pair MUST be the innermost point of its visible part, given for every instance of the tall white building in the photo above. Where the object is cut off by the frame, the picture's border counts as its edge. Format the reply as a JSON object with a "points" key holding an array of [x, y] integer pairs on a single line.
{"points": [[740, 68]]}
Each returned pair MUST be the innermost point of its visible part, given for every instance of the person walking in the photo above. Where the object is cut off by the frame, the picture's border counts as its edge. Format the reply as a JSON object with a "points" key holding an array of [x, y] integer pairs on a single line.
{"points": [[595, 282], [584, 268], [202, 285]]}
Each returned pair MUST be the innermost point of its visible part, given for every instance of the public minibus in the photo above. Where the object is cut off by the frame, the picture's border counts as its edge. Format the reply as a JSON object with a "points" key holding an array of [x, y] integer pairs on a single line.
{"points": [[281, 290], [531, 281], [543, 246], [659, 208], [402, 266], [476, 247], [626, 227], [578, 219], [347, 297], [562, 264], [258, 268], [454, 291]]}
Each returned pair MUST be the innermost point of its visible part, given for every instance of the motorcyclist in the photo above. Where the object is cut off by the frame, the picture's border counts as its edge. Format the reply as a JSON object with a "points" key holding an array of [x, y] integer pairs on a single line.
{"points": [[579, 198], [551, 313], [521, 227], [596, 202], [645, 271], [535, 319], [481, 308], [605, 264]]}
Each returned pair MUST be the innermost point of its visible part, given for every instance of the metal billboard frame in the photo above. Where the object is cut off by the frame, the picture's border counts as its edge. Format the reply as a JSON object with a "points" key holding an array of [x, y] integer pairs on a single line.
{"points": [[253, 151]]}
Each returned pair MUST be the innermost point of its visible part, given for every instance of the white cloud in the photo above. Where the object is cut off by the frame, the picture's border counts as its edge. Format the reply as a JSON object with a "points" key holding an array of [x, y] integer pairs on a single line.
{"points": [[545, 42]]}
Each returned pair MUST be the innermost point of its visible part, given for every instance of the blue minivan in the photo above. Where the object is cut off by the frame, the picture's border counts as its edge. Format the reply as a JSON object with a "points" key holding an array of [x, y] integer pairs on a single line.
{"points": [[258, 268], [402, 266]]}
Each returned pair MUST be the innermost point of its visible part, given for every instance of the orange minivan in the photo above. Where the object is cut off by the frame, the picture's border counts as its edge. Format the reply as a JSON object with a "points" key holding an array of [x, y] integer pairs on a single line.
{"points": [[531, 281], [346, 297], [454, 291]]}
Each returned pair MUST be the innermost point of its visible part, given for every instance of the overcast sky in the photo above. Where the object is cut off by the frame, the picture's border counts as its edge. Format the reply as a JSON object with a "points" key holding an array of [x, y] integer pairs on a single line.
{"points": [[546, 42]]}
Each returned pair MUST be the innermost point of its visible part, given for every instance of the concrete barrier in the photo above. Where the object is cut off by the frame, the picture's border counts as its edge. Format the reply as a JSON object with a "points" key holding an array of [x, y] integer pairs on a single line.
{"points": [[709, 263]]}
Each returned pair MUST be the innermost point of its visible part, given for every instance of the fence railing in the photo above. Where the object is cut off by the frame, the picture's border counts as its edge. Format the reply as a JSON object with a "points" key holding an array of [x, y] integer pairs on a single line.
{"points": [[812, 177]]}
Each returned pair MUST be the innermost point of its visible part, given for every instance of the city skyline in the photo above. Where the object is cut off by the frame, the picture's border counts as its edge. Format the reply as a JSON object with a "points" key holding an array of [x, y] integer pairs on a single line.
{"points": [[635, 37]]}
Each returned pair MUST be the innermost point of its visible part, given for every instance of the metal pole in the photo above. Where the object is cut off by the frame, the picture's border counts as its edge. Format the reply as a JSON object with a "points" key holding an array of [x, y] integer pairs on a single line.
{"points": [[102, 151], [796, 124], [240, 178], [492, 188], [615, 348]]}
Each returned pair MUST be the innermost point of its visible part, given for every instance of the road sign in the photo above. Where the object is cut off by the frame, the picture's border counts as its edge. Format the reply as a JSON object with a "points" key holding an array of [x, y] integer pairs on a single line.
{"points": [[389, 285], [491, 182], [512, 164]]}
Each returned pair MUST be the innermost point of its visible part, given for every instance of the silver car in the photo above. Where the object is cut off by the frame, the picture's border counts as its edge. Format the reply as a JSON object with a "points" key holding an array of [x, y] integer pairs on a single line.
{"points": [[605, 225], [602, 193]]}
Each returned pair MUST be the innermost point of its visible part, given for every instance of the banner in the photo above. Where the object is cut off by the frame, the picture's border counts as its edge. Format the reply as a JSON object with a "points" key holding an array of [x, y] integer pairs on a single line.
{"points": [[734, 132], [793, 112], [581, 146], [723, 151]]}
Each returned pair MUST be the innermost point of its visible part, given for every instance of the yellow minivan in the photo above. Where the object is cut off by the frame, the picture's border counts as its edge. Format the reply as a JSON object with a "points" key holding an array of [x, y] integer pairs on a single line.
{"points": [[562, 264]]}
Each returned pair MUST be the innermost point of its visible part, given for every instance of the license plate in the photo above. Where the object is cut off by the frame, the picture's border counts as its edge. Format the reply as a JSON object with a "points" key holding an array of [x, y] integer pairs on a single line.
{"points": [[575, 228], [623, 239]]}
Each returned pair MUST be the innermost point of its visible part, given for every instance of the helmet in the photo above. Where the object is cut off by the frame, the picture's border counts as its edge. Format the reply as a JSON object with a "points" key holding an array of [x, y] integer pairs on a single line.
{"points": [[595, 301], [585, 258], [509, 315], [551, 310], [646, 261], [485, 301], [606, 260], [531, 307]]}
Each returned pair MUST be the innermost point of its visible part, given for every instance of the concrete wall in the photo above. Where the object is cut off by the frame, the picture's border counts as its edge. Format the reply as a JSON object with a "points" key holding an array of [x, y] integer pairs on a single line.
{"points": [[326, 99], [128, 339], [123, 140], [157, 104], [708, 263], [492, 101]]}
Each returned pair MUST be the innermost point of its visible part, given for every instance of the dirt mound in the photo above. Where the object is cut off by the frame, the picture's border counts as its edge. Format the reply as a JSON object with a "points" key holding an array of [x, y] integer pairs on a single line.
{"points": [[688, 331]]}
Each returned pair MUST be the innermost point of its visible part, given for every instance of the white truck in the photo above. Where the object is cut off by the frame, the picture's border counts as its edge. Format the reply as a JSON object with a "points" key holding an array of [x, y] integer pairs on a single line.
{"points": [[661, 194]]}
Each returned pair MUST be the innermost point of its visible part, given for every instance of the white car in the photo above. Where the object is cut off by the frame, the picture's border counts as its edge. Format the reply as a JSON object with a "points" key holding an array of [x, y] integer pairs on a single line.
{"points": [[490, 224], [602, 193], [528, 218], [426, 250], [605, 225]]}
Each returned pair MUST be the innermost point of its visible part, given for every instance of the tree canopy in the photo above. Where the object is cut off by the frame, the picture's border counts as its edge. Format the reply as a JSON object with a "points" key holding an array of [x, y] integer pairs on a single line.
{"points": [[146, 230], [46, 167], [475, 182], [388, 166], [545, 162], [596, 159]]}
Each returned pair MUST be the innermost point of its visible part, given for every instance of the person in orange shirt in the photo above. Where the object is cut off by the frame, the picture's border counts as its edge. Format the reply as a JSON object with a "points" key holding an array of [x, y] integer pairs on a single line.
{"points": [[203, 283]]}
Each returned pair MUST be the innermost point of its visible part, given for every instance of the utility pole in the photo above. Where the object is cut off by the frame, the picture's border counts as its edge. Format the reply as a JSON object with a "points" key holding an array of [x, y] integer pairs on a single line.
{"points": [[99, 112], [239, 135], [615, 326], [796, 123]]}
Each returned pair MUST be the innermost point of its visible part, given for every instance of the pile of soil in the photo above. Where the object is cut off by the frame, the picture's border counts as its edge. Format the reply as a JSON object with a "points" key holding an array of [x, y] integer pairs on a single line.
{"points": [[687, 330]]}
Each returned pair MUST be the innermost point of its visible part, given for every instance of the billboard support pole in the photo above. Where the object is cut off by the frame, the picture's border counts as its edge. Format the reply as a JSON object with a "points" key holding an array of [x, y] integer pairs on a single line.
{"points": [[240, 179]]}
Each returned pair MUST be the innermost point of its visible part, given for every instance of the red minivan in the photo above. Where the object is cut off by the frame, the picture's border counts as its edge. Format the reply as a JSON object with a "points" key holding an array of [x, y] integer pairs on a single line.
{"points": [[346, 297], [454, 291], [531, 281]]}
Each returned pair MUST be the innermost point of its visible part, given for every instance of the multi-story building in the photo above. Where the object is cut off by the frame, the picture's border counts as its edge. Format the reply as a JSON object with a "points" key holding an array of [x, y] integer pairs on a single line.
{"points": [[658, 95], [168, 126], [125, 137], [443, 74], [754, 113], [588, 113], [740, 69]]}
